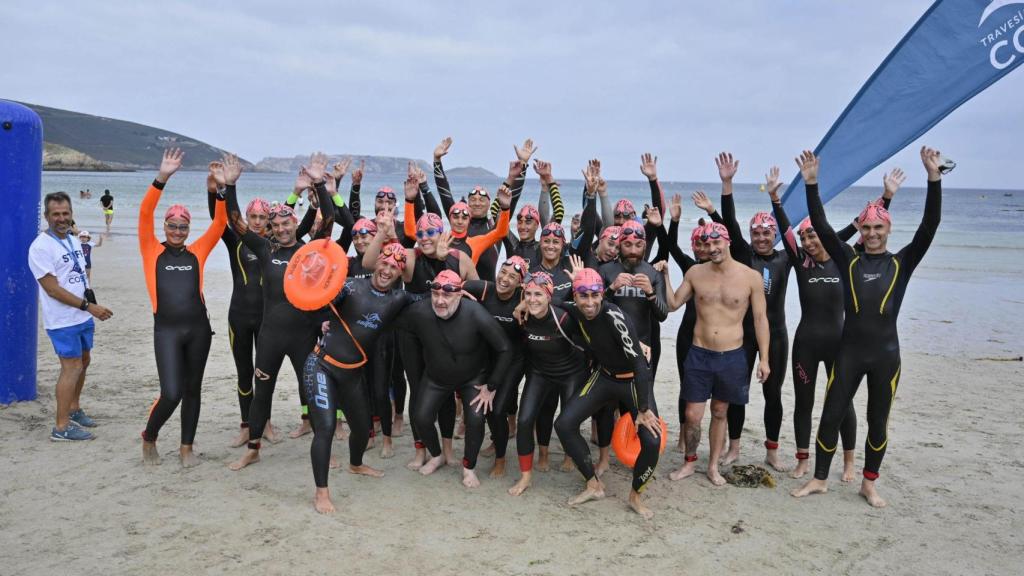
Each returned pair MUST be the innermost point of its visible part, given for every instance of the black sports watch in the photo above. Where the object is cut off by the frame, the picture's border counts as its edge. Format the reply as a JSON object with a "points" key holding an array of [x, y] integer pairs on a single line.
{"points": [[84, 305]]}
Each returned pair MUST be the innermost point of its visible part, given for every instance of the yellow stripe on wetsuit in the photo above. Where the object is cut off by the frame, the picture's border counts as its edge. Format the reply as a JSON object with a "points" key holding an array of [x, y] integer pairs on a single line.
{"points": [[853, 289]]}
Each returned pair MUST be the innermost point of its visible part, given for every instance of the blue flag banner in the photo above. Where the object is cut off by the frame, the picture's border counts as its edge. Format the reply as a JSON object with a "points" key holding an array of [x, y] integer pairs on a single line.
{"points": [[956, 50]]}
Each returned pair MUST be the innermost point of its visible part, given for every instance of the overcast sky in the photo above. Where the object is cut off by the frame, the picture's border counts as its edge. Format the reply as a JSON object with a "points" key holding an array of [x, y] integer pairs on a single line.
{"points": [[596, 79]]}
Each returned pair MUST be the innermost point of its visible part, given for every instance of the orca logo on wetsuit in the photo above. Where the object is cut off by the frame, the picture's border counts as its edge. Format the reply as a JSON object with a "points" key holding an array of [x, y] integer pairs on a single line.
{"points": [[279, 262], [620, 324], [371, 321], [178, 268], [565, 286], [504, 319], [830, 280]]}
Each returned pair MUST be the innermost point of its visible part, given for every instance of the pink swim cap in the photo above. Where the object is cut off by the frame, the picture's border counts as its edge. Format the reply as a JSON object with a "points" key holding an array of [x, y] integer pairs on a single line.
{"points": [[458, 206], [553, 229], [764, 220], [531, 211], [518, 264], [613, 231], [875, 210], [428, 221], [624, 207], [541, 280], [258, 206], [804, 225], [696, 234], [448, 277], [178, 211], [393, 252], [712, 228], [587, 280], [632, 229], [365, 224]]}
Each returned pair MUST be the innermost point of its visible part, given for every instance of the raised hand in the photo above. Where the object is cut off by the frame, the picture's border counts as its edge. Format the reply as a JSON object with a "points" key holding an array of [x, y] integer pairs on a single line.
{"points": [[302, 182], [444, 241], [357, 174], [590, 180], [602, 187], [341, 168], [543, 170], [421, 176], [217, 173], [932, 161], [576, 263], [504, 196], [653, 216], [891, 182], [411, 186], [675, 209], [211, 184], [515, 168], [727, 166], [330, 183], [808, 164], [772, 183], [232, 169], [701, 200], [385, 223], [317, 167], [527, 150], [649, 166], [170, 163], [442, 148]]}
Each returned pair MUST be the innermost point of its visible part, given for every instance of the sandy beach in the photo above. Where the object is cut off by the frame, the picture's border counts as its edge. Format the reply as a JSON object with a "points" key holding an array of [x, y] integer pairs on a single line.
{"points": [[951, 477]]}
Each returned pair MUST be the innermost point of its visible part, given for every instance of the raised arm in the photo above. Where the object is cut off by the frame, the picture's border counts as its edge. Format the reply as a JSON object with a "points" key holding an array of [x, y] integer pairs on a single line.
{"points": [[170, 164], [772, 185], [355, 204], [482, 242], [583, 244], [891, 182], [727, 167], [649, 168], [912, 253], [205, 244], [836, 248], [440, 179]]}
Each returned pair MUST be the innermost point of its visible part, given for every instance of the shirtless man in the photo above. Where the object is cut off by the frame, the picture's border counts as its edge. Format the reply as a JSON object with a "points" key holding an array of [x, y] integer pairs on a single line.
{"points": [[716, 366]]}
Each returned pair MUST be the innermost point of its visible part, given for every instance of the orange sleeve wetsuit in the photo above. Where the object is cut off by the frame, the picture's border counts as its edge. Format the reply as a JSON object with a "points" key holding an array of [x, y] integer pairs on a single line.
{"points": [[181, 331]]}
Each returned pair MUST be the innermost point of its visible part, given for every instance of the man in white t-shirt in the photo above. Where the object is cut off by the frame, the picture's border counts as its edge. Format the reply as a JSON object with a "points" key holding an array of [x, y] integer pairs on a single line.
{"points": [[58, 263]]}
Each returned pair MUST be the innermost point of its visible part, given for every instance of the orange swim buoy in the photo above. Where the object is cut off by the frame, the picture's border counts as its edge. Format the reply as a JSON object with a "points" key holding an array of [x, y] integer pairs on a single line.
{"points": [[626, 443], [315, 274]]}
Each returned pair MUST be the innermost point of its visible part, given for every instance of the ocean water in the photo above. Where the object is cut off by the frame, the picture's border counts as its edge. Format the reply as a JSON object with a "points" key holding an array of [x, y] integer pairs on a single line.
{"points": [[964, 299]]}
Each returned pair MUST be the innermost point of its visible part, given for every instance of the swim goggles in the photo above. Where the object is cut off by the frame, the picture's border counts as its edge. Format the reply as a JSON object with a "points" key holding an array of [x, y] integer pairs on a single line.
{"points": [[460, 212], [627, 215], [364, 231], [478, 191], [538, 279], [558, 232], [428, 232], [526, 218], [638, 232], [589, 289], [449, 288], [177, 227], [386, 192], [764, 225], [713, 235], [281, 210], [515, 266]]}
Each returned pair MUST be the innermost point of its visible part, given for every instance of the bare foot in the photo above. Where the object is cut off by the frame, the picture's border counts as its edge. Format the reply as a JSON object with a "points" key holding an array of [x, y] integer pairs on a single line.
{"points": [[397, 425], [813, 486], [733, 454], [715, 478], [150, 455], [333, 464], [771, 458], [521, 486], [602, 465], [568, 465], [270, 433], [417, 460], [322, 501], [849, 471], [488, 451], [387, 449], [365, 470], [543, 460], [302, 430], [431, 465], [340, 433], [187, 457], [498, 471], [250, 457], [867, 490], [638, 506], [685, 471], [241, 438], [802, 468], [469, 479], [593, 491]]}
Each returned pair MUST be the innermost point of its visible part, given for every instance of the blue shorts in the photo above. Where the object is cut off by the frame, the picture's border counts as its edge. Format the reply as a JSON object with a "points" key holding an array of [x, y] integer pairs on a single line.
{"points": [[71, 341], [719, 375]]}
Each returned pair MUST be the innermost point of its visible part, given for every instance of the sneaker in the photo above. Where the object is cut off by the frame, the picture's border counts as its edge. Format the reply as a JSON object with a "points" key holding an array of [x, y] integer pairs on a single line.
{"points": [[79, 417], [70, 434]]}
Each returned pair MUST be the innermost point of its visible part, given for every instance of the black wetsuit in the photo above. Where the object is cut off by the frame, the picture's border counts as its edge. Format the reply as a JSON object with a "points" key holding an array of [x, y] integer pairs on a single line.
{"points": [[623, 376], [501, 310], [457, 359], [643, 311], [245, 312], [360, 314], [286, 330], [873, 290], [557, 368]]}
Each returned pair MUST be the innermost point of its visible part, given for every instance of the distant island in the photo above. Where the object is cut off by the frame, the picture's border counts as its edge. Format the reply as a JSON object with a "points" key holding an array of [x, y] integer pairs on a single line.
{"points": [[83, 142]]}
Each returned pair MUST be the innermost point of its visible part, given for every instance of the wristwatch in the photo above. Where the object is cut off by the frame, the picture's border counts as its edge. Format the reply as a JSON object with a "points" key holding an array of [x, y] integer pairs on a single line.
{"points": [[84, 305]]}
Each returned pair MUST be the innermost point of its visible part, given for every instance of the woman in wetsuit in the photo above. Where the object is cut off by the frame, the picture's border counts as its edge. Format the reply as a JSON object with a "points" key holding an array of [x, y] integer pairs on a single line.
{"points": [[181, 326], [874, 283]]}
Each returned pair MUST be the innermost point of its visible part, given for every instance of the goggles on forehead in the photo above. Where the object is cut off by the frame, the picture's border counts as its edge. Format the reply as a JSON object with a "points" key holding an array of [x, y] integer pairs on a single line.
{"points": [[764, 225], [538, 279], [515, 266], [281, 210], [386, 193], [478, 191], [449, 288], [589, 289], [621, 214], [558, 232], [364, 231], [713, 235], [460, 212], [428, 232], [397, 253], [638, 232]]}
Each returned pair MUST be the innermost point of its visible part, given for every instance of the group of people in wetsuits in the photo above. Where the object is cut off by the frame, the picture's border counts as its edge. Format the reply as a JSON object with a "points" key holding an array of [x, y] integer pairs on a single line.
{"points": [[575, 317]]}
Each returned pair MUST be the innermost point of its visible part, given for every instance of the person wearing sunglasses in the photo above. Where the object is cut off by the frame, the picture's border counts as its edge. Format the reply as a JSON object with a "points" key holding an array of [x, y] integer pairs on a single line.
{"points": [[245, 311], [458, 338], [360, 315], [557, 368], [431, 256], [286, 331], [874, 283], [473, 231], [622, 376], [500, 298], [716, 363], [181, 324]]}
